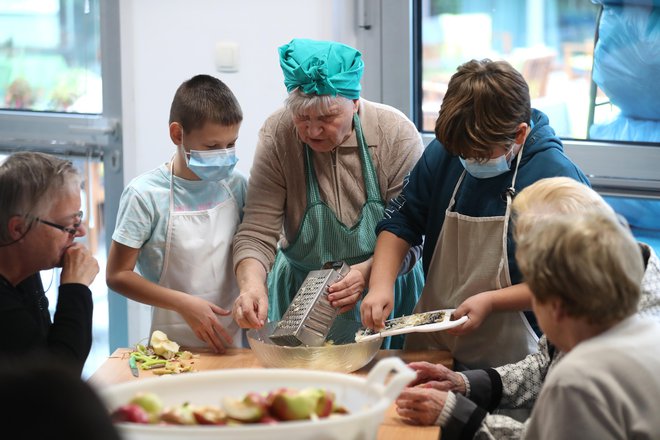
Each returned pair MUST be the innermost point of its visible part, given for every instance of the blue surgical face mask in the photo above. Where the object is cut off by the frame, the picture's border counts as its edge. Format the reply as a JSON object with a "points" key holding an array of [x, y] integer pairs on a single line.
{"points": [[212, 164], [491, 168]]}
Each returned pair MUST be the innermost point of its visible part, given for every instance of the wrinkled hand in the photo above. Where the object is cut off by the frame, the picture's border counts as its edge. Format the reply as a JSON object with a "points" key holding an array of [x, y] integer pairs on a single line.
{"points": [[78, 265], [251, 308], [201, 317], [347, 291], [437, 376], [376, 307], [420, 406], [477, 307]]}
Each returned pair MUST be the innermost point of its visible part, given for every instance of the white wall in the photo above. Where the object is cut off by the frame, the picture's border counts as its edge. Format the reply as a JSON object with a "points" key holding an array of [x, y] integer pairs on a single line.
{"points": [[163, 43]]}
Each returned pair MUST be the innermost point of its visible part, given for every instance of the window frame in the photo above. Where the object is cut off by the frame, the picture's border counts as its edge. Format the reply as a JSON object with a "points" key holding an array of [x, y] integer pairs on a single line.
{"points": [[83, 135]]}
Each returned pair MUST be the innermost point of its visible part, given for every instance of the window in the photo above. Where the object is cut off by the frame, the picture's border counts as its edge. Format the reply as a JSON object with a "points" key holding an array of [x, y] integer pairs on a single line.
{"points": [[591, 67], [66, 45], [60, 96], [550, 43]]}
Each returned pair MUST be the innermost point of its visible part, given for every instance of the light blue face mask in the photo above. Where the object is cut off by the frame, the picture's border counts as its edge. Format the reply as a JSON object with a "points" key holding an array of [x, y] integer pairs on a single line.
{"points": [[490, 168], [212, 164]]}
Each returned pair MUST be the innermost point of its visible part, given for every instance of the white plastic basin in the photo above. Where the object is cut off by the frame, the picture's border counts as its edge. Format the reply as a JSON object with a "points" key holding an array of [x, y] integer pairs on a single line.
{"points": [[366, 398]]}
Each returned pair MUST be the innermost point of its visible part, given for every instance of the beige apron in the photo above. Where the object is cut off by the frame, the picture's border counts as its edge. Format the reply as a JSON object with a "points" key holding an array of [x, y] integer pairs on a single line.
{"points": [[198, 261], [471, 257]]}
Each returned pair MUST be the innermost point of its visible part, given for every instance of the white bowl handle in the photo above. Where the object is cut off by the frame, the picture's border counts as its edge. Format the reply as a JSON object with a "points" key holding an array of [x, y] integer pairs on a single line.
{"points": [[402, 377]]}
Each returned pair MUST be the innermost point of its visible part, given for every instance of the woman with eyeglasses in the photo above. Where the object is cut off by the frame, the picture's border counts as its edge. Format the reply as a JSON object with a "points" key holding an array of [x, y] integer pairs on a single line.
{"points": [[40, 218]]}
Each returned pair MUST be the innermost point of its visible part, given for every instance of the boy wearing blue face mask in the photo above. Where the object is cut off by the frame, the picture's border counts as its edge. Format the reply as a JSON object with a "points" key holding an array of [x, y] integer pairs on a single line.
{"points": [[489, 144], [172, 244]]}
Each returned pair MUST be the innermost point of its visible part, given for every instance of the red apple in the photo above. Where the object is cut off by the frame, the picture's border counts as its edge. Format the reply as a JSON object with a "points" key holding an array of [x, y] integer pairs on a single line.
{"points": [[292, 405], [325, 403], [268, 420], [271, 395], [131, 412]]}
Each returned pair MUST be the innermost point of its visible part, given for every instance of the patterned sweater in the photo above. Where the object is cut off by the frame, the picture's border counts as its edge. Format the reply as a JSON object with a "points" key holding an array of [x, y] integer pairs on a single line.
{"points": [[518, 385]]}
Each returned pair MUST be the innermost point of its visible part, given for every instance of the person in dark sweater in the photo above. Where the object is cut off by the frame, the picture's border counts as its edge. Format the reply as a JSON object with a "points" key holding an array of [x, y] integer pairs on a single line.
{"points": [[489, 145], [40, 217]]}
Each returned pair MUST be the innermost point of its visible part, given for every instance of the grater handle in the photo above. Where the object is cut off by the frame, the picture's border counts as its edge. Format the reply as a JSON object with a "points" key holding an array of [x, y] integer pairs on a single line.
{"points": [[341, 267], [402, 377]]}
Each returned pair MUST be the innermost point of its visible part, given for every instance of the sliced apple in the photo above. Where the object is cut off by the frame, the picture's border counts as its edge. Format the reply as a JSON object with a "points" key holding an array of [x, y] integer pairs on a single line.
{"points": [[243, 410], [179, 415], [209, 415], [151, 403], [162, 346], [291, 405]]}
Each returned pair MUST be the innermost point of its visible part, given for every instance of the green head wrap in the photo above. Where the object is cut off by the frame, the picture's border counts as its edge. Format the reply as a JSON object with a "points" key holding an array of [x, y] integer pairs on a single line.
{"points": [[321, 68]]}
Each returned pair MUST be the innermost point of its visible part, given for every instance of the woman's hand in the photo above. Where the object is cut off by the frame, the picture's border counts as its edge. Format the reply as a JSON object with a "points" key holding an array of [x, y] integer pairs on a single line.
{"points": [[437, 376], [347, 291], [251, 308], [201, 317], [477, 307], [78, 265], [420, 406]]}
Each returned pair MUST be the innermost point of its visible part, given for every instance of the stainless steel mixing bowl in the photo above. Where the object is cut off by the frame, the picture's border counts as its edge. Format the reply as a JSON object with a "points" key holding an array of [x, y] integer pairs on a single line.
{"points": [[342, 354]]}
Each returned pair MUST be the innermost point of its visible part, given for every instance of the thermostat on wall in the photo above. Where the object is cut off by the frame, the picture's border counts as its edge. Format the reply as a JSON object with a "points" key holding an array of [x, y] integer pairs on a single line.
{"points": [[226, 56]]}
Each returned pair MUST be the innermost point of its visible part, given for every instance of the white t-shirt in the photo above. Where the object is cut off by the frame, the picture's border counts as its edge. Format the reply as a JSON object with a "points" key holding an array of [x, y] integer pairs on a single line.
{"points": [[144, 211]]}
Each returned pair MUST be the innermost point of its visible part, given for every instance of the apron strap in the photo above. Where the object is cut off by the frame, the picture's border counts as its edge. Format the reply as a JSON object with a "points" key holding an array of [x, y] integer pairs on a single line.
{"points": [[507, 214], [368, 171], [372, 188], [313, 193], [168, 234]]}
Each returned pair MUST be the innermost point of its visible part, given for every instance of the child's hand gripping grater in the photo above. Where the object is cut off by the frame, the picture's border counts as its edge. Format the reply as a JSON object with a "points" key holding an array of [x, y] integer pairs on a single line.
{"points": [[310, 315]]}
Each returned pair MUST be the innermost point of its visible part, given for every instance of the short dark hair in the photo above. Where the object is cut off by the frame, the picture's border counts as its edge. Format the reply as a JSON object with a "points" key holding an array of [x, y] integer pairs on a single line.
{"points": [[203, 99], [484, 104]]}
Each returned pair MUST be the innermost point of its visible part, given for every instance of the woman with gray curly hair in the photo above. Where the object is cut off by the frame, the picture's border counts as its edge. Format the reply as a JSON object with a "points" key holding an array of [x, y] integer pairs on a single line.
{"points": [[324, 168]]}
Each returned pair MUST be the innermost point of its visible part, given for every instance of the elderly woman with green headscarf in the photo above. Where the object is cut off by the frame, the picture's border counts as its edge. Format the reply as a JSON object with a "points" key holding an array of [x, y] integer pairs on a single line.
{"points": [[324, 167]]}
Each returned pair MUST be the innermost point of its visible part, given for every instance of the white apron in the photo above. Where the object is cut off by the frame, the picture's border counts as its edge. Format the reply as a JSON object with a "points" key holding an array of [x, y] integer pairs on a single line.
{"points": [[198, 261], [471, 257]]}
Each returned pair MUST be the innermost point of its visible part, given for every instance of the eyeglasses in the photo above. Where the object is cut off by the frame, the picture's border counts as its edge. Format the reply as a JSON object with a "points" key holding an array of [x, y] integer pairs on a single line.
{"points": [[71, 231]]}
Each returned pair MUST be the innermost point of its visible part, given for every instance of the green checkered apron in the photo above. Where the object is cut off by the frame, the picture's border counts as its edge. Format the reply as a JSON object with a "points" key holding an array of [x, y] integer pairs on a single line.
{"points": [[322, 237]]}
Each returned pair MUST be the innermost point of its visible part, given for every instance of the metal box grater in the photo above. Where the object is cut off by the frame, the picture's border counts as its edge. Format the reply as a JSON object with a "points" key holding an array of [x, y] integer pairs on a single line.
{"points": [[309, 317]]}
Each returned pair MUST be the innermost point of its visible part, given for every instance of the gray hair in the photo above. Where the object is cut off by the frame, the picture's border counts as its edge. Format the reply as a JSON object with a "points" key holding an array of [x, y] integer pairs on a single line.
{"points": [[555, 195], [588, 260], [299, 102], [29, 183]]}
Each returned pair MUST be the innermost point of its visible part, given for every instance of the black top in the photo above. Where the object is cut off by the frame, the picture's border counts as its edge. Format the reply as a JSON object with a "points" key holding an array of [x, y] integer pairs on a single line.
{"points": [[25, 324]]}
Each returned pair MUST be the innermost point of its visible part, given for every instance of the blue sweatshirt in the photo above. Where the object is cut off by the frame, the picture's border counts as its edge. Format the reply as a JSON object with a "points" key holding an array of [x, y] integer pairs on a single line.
{"points": [[418, 213]]}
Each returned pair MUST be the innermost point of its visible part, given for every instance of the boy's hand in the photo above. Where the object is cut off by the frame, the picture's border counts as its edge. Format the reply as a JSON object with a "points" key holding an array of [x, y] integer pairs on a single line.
{"points": [[78, 265], [251, 309], [376, 307], [201, 317], [477, 307]]}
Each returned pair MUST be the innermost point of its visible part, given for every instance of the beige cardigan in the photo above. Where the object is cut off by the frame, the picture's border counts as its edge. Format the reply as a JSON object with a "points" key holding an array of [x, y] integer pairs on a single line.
{"points": [[277, 199]]}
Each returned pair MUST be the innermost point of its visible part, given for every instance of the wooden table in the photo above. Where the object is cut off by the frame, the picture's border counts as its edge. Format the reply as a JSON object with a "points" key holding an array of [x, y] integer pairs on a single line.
{"points": [[115, 370]]}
